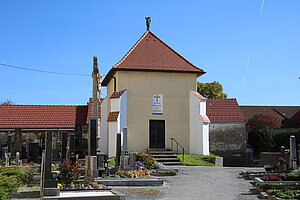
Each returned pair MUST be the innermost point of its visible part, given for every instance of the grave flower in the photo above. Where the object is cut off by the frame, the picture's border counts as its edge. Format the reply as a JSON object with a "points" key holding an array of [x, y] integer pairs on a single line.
{"points": [[139, 164], [69, 172]]}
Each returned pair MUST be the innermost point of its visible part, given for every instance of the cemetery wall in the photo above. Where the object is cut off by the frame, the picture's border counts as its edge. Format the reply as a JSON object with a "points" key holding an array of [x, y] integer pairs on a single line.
{"points": [[229, 140], [227, 137]]}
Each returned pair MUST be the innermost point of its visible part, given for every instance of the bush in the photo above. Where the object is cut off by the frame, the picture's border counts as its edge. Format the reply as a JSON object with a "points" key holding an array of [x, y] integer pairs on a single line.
{"points": [[272, 186], [293, 176], [11, 180], [146, 159], [26, 175], [69, 172], [141, 172], [266, 139], [286, 194]]}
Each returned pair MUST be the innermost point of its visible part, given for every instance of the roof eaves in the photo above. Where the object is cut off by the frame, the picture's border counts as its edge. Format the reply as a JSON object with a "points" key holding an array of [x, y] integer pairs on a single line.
{"points": [[158, 70]]}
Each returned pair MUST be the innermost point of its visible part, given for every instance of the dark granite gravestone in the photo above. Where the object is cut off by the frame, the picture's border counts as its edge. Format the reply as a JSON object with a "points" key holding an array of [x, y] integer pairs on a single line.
{"points": [[48, 184], [293, 152], [93, 138], [18, 142], [34, 152], [49, 181], [72, 147], [64, 143], [79, 141], [8, 142]]}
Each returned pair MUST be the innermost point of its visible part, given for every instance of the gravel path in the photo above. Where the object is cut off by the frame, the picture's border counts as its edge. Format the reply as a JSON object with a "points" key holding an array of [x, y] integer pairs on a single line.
{"points": [[198, 182]]}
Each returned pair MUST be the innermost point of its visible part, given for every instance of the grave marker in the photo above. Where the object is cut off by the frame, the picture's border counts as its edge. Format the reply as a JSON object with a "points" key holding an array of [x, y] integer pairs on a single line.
{"points": [[293, 152], [124, 154], [48, 184]]}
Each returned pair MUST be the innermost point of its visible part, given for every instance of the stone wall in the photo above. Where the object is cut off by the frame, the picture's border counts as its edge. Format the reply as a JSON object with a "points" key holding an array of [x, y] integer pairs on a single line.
{"points": [[227, 137], [229, 140]]}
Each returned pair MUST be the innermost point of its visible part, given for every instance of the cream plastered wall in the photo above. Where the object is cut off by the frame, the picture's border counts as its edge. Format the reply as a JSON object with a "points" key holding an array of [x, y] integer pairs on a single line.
{"points": [[140, 86]]}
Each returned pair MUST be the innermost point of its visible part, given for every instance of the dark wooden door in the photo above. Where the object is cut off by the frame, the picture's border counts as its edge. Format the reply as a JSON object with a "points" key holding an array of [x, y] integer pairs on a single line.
{"points": [[157, 133]]}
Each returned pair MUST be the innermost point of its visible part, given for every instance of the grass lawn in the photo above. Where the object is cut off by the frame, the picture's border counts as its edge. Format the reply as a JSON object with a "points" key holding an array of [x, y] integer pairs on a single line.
{"points": [[196, 160]]}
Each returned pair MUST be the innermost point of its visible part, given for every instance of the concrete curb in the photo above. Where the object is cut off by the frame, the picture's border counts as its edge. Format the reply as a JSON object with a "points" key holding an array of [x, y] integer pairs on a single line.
{"points": [[131, 181]]}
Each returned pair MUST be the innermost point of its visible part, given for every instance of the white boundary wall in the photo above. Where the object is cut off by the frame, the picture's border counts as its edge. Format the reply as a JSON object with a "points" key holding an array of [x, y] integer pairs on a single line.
{"points": [[199, 130]]}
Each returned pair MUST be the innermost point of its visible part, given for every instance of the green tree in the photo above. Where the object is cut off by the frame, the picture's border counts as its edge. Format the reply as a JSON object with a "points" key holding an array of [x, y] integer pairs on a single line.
{"points": [[211, 90], [7, 102], [261, 134]]}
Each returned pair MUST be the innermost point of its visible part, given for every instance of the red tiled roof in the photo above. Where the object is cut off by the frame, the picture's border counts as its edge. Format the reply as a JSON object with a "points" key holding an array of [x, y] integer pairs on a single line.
{"points": [[151, 54], [250, 111], [89, 112], [224, 110], [296, 118], [113, 116], [29, 116], [117, 94]]}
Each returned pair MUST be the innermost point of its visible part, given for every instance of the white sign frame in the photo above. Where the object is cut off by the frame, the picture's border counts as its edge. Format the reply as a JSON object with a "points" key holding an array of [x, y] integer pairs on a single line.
{"points": [[157, 103]]}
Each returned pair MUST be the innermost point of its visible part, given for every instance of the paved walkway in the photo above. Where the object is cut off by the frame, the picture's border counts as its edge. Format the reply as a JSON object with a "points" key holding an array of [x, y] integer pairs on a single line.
{"points": [[198, 182]]}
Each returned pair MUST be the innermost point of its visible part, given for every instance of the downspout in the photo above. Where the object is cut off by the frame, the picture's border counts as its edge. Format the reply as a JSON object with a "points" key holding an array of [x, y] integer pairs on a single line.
{"points": [[115, 83]]}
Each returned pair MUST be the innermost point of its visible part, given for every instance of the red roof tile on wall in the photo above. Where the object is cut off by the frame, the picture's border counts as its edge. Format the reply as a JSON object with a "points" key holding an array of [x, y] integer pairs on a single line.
{"points": [[224, 110], [151, 54], [117, 94], [199, 95], [22, 116], [205, 118], [113, 116]]}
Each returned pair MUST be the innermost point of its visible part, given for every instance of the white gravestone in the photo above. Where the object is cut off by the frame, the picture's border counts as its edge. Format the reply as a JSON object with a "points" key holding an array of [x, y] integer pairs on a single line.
{"points": [[157, 104]]}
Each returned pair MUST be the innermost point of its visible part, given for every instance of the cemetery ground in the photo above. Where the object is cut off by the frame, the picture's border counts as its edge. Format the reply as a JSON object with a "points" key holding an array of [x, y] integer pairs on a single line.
{"points": [[191, 182], [198, 182]]}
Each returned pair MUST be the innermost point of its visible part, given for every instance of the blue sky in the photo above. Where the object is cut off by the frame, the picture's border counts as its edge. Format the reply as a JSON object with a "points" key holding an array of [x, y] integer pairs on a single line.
{"points": [[250, 46]]}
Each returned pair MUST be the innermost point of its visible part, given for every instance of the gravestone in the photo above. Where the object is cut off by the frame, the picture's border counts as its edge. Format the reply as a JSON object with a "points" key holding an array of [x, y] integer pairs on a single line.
{"points": [[91, 159], [18, 141], [18, 158], [125, 165], [9, 142], [56, 146], [4, 152], [64, 143], [34, 152], [7, 159], [72, 147], [79, 140], [118, 150], [48, 184], [282, 163], [293, 152], [93, 137]]}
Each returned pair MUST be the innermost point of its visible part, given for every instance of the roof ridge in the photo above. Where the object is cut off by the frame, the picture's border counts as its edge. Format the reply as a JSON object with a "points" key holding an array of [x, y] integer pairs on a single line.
{"points": [[130, 50], [176, 52], [221, 98]]}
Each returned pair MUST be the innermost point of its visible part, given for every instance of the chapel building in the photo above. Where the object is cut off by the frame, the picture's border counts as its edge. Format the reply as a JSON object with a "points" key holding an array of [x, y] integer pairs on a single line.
{"points": [[152, 92]]}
